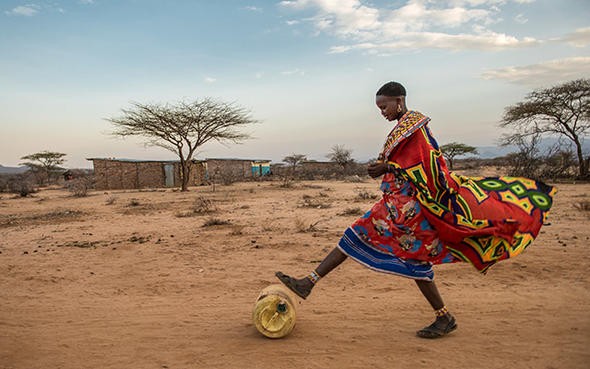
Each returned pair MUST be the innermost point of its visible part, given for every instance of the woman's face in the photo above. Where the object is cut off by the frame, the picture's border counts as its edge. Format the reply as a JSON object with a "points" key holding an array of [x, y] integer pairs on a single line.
{"points": [[388, 105]]}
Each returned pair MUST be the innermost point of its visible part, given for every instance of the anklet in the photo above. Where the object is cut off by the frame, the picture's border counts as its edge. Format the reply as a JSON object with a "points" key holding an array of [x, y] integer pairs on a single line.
{"points": [[441, 312], [314, 277]]}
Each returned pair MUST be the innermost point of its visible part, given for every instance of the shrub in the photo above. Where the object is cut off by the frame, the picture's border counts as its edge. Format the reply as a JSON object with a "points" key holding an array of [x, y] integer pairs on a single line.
{"points": [[79, 186], [363, 194]]}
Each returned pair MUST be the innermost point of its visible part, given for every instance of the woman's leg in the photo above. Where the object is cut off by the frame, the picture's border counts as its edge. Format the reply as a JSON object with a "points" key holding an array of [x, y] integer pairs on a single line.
{"points": [[445, 322], [302, 287]]}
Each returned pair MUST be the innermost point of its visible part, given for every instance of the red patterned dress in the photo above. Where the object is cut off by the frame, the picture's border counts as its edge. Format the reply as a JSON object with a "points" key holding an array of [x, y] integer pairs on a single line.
{"points": [[429, 215]]}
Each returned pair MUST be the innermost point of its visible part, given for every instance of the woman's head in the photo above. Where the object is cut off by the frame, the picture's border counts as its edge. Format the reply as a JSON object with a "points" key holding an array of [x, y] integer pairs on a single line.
{"points": [[391, 100]]}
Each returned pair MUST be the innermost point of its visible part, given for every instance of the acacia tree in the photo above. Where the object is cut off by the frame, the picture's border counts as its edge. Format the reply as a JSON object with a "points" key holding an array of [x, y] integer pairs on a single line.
{"points": [[294, 161], [451, 150], [183, 127], [43, 164], [562, 110], [341, 155]]}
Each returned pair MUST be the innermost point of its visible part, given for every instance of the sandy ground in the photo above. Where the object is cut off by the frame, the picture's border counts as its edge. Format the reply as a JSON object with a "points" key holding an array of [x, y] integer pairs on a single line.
{"points": [[133, 279]]}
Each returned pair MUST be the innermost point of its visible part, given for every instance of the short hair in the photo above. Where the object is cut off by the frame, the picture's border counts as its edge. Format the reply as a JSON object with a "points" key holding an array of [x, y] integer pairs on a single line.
{"points": [[392, 89]]}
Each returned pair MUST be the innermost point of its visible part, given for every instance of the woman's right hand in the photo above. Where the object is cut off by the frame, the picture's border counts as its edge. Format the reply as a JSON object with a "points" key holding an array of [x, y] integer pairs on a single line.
{"points": [[377, 169]]}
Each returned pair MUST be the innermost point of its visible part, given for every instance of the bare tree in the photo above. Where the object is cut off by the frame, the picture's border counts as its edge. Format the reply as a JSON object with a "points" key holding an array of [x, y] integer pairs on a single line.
{"points": [[183, 127], [341, 155], [294, 161], [451, 150], [44, 164], [563, 110]]}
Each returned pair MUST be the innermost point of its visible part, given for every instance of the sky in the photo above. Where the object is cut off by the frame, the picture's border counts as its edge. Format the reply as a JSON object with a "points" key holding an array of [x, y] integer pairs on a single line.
{"points": [[307, 70]]}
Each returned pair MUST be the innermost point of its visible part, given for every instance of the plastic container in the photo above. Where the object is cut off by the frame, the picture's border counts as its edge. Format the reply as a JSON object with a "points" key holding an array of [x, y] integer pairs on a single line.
{"points": [[274, 312]]}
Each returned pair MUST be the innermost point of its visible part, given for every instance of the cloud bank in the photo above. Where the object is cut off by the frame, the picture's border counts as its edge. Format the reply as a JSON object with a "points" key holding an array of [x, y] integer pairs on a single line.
{"points": [[451, 24], [549, 72]]}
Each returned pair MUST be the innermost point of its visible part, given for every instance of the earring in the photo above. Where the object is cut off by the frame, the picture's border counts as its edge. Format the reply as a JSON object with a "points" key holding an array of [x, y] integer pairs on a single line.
{"points": [[399, 108]]}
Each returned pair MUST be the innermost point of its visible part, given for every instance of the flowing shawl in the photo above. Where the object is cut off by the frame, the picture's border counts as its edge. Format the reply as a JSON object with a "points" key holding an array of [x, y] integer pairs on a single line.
{"points": [[477, 220]]}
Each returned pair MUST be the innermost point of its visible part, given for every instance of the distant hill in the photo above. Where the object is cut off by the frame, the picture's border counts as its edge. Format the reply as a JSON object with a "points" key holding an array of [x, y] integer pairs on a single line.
{"points": [[12, 170]]}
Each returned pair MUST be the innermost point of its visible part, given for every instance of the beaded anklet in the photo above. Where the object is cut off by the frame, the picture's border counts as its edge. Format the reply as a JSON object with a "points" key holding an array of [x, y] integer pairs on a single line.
{"points": [[441, 312], [314, 277]]}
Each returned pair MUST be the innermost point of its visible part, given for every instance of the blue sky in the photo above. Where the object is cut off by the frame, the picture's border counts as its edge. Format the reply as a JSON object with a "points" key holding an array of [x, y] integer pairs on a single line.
{"points": [[307, 69]]}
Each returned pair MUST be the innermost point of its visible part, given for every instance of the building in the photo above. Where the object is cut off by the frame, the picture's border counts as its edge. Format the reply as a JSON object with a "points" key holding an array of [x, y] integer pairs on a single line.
{"points": [[115, 174]]}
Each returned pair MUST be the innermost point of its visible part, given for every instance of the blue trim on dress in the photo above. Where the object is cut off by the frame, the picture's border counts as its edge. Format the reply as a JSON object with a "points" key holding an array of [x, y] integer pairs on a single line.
{"points": [[352, 245]]}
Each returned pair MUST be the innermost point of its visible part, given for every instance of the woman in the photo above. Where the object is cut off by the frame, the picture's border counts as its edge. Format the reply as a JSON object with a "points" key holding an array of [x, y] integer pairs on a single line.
{"points": [[429, 215]]}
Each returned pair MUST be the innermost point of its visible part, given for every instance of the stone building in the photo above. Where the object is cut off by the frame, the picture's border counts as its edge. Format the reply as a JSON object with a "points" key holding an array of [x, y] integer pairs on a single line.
{"points": [[115, 174]]}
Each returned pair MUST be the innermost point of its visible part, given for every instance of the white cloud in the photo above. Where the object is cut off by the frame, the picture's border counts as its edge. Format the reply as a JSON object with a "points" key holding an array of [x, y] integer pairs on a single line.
{"points": [[253, 8], [415, 24], [292, 22], [24, 10], [549, 72], [209, 79], [578, 38], [86, 1], [520, 18], [434, 40], [292, 72]]}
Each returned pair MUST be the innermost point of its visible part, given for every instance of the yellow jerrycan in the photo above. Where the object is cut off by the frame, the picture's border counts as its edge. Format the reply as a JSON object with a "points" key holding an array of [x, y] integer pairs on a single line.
{"points": [[274, 311]]}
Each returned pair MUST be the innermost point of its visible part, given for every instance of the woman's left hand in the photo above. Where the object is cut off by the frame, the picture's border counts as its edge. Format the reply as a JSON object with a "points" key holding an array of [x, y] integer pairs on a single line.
{"points": [[377, 169]]}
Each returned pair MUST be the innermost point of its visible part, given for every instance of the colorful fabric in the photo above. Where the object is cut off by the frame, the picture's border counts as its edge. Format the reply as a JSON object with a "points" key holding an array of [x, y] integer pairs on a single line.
{"points": [[352, 245], [432, 215]]}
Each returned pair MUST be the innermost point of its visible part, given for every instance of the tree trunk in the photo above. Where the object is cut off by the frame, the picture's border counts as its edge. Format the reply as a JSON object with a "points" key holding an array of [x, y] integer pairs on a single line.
{"points": [[183, 172], [582, 168]]}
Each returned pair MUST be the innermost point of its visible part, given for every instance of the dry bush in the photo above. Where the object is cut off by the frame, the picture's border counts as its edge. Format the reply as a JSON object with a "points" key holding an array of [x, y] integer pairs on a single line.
{"points": [[311, 202], [202, 205], [110, 200], [351, 211], [583, 205], [79, 186], [133, 202], [363, 194], [22, 184], [215, 222], [302, 226], [286, 182], [313, 186]]}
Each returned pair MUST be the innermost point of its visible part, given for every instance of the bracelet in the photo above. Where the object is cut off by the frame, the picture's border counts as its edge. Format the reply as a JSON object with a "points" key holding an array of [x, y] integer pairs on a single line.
{"points": [[441, 312], [314, 277]]}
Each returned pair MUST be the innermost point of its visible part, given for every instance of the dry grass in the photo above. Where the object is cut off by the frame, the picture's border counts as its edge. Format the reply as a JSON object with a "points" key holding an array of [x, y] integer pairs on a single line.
{"points": [[302, 226], [216, 222], [351, 211], [110, 200], [362, 194], [308, 201], [583, 205], [56, 216], [133, 202]]}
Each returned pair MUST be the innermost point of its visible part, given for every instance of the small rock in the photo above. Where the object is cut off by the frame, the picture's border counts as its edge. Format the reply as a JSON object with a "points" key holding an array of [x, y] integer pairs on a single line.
{"points": [[25, 252]]}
